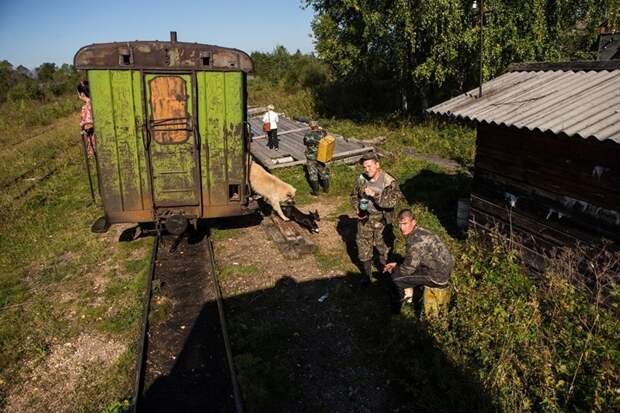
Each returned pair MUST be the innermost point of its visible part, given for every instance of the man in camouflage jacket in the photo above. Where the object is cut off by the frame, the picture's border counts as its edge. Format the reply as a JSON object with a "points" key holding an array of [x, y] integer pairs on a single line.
{"points": [[317, 171], [427, 262], [374, 197]]}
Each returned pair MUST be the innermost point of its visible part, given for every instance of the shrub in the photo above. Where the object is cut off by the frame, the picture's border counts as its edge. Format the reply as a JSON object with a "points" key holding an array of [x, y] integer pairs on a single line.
{"points": [[515, 343]]}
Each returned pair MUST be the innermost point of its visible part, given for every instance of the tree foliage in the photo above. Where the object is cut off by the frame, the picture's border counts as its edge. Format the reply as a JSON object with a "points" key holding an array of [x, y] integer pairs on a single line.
{"points": [[431, 49], [47, 81], [291, 70]]}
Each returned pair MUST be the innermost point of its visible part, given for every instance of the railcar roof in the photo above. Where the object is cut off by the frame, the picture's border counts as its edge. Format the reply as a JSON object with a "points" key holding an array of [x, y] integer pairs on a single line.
{"points": [[158, 55]]}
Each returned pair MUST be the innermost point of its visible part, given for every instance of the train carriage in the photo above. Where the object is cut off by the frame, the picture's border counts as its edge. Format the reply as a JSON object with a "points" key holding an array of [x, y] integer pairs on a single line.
{"points": [[170, 121]]}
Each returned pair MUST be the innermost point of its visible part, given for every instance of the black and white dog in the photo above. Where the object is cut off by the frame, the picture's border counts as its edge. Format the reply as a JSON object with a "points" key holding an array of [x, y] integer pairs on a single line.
{"points": [[305, 220]]}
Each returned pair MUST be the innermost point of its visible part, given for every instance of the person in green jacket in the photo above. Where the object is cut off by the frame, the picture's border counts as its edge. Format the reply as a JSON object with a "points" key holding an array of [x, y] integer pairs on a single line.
{"points": [[374, 197], [317, 171]]}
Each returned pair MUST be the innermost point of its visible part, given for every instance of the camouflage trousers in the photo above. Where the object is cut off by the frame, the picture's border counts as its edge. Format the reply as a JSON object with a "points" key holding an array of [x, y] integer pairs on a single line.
{"points": [[369, 235], [316, 170]]}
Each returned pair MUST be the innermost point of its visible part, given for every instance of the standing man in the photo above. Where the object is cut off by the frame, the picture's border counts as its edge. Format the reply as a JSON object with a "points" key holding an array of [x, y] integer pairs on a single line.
{"points": [[374, 198], [317, 171], [428, 261], [270, 124]]}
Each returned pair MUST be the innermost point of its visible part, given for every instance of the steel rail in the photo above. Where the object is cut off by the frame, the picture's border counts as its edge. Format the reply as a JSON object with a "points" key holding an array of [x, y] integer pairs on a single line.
{"points": [[210, 267], [141, 359], [220, 310]]}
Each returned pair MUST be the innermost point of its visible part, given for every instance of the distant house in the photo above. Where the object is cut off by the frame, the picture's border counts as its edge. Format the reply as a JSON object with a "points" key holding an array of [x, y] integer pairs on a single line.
{"points": [[547, 167]]}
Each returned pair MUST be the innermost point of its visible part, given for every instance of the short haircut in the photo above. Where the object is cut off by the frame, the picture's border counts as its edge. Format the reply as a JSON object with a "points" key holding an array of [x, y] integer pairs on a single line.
{"points": [[406, 213]]}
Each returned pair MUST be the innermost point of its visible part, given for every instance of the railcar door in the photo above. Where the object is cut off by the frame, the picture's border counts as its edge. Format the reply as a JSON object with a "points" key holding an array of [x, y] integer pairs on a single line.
{"points": [[172, 140]]}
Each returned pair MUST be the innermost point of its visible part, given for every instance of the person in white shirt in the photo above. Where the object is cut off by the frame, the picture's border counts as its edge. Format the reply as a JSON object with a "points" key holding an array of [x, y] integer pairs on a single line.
{"points": [[270, 117]]}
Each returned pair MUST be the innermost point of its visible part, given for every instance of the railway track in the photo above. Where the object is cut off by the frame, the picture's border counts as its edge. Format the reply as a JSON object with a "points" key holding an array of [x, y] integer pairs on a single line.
{"points": [[184, 361]]}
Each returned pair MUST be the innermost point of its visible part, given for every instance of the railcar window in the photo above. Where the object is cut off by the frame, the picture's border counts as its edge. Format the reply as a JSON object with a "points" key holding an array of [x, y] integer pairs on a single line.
{"points": [[233, 192], [170, 120], [125, 59]]}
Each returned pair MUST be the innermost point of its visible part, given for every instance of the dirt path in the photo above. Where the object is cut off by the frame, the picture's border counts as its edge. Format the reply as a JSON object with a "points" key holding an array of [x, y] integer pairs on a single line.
{"points": [[305, 337]]}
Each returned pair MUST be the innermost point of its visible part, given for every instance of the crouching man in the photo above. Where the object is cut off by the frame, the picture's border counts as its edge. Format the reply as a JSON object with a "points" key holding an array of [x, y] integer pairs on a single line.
{"points": [[427, 262]]}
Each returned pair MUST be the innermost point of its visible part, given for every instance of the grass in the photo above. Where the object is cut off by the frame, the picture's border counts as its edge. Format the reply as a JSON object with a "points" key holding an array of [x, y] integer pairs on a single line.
{"points": [[228, 271], [23, 119], [58, 280], [330, 262]]}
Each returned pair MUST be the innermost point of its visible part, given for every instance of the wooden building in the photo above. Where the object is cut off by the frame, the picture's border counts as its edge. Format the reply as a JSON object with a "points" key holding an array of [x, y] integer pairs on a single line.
{"points": [[547, 167]]}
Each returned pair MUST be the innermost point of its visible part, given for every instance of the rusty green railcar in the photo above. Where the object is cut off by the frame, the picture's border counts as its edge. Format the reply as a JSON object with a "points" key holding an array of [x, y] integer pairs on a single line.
{"points": [[170, 122]]}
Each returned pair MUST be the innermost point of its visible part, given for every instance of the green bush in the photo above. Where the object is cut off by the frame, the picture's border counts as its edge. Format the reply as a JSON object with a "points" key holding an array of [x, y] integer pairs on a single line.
{"points": [[513, 343]]}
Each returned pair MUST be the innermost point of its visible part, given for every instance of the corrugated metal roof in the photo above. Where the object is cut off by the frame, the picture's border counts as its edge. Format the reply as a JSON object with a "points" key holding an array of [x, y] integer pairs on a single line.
{"points": [[581, 99]]}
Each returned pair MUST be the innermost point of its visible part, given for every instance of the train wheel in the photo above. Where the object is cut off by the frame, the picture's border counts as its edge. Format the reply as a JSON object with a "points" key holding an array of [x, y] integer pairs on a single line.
{"points": [[176, 224]]}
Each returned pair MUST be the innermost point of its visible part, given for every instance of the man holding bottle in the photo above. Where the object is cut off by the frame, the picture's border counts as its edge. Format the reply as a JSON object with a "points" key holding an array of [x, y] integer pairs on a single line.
{"points": [[374, 197]]}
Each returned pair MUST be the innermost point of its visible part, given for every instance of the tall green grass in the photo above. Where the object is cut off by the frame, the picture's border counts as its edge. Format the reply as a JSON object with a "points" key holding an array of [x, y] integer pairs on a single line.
{"points": [[26, 117], [57, 279]]}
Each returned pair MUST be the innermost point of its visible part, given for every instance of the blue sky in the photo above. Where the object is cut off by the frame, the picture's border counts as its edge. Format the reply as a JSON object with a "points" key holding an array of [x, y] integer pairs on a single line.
{"points": [[37, 31]]}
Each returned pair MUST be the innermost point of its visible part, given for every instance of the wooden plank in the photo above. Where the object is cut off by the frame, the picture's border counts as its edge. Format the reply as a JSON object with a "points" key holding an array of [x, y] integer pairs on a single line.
{"points": [[352, 153], [529, 166], [286, 146], [539, 203], [287, 132], [554, 147], [286, 165], [288, 237], [559, 184], [274, 233], [291, 143], [259, 151], [529, 225]]}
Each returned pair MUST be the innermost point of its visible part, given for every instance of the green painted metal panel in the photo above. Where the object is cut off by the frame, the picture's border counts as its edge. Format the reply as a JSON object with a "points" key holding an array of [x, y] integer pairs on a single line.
{"points": [[117, 106], [126, 139], [234, 127], [139, 122], [220, 118], [214, 92], [107, 156], [174, 166], [202, 132]]}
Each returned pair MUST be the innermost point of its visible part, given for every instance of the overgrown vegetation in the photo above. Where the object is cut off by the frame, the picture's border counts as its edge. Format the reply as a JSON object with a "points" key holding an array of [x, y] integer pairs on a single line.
{"points": [[66, 296], [514, 343], [31, 101], [410, 54]]}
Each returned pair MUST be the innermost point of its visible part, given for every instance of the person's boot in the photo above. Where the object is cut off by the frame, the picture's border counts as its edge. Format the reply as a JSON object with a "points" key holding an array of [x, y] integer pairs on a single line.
{"points": [[314, 186], [382, 263], [366, 271], [325, 185]]}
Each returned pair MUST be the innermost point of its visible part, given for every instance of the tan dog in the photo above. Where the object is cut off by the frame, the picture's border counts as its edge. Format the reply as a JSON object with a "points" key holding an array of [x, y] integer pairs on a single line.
{"points": [[271, 188]]}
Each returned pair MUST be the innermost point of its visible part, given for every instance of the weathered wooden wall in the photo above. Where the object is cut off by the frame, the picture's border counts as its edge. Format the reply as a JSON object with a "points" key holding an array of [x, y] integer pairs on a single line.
{"points": [[544, 190]]}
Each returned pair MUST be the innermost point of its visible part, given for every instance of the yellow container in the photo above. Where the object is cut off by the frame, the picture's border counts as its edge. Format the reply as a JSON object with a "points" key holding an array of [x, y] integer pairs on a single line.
{"points": [[436, 301], [326, 149]]}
